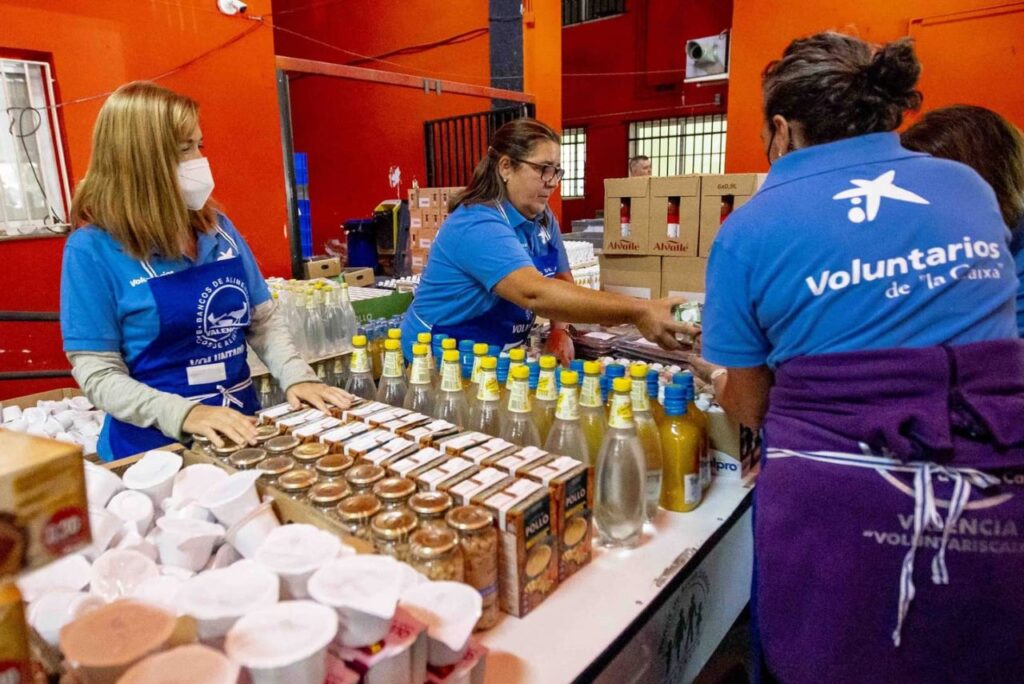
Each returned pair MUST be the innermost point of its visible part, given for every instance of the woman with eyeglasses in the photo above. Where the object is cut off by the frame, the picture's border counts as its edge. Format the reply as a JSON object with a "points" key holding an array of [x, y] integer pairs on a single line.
{"points": [[499, 260]]}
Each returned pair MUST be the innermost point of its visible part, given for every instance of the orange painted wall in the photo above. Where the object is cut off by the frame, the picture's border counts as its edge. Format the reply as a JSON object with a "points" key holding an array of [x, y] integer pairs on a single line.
{"points": [[542, 66], [97, 46], [761, 30]]}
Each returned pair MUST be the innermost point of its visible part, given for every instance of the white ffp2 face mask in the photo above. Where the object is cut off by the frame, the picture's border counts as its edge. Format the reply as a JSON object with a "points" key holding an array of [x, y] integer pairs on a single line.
{"points": [[196, 181]]}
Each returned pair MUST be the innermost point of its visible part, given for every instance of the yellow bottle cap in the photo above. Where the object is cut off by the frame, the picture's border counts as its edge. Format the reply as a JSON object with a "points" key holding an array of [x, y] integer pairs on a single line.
{"points": [[488, 363], [621, 385], [394, 334], [517, 355], [419, 349], [480, 349], [392, 345], [359, 341], [448, 343], [638, 371], [547, 362], [451, 355], [591, 367], [424, 338], [522, 373], [569, 378]]}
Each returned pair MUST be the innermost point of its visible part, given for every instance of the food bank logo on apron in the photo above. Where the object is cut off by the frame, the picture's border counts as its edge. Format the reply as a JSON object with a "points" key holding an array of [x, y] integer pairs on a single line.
{"points": [[222, 309]]}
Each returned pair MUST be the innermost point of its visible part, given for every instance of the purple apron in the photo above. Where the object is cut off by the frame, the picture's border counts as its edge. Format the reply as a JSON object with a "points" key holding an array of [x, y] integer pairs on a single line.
{"points": [[889, 517]]}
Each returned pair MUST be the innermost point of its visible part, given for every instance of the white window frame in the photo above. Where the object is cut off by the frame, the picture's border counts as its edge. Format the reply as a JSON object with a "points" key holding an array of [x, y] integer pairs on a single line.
{"points": [[49, 141], [574, 161], [681, 145]]}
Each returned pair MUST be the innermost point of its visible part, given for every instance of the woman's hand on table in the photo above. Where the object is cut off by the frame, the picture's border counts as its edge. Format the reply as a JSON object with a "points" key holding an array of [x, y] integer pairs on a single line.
{"points": [[657, 323], [560, 344], [318, 395], [217, 422]]}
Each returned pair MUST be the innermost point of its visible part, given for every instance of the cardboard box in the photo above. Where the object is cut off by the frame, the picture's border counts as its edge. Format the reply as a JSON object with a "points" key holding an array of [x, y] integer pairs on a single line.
{"points": [[323, 267], [680, 197], [455, 446], [417, 262], [420, 462], [429, 434], [526, 546], [735, 448], [626, 237], [479, 486], [571, 486], [522, 460], [490, 451], [632, 276], [44, 509], [720, 196], [358, 276], [422, 238], [683, 277], [446, 475]]}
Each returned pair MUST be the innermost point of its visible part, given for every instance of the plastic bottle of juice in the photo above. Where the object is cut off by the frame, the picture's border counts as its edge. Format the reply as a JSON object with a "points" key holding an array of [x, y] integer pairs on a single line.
{"points": [[685, 379], [619, 501], [438, 349], [518, 426], [681, 443], [657, 409], [427, 339], [546, 398], [449, 400], [516, 357], [503, 364], [360, 374], [420, 397], [376, 349], [392, 387], [566, 435], [466, 361], [613, 371], [485, 414], [479, 352], [592, 415], [647, 431]]}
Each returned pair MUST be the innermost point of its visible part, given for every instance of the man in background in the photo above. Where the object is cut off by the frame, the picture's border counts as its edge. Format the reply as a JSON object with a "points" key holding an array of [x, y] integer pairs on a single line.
{"points": [[640, 165]]}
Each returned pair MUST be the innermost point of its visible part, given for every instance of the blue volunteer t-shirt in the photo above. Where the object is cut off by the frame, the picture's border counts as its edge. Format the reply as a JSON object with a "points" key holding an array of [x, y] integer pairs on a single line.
{"points": [[475, 248], [855, 245], [104, 304], [1017, 247]]}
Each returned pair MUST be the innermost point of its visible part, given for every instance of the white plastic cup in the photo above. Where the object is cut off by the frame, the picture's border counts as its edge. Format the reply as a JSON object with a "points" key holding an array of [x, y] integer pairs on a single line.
{"points": [[217, 598], [52, 611], [295, 552], [249, 533], [35, 415], [185, 542], [194, 481], [117, 572], [105, 527], [450, 610], [364, 590], [134, 508], [160, 591], [11, 414], [100, 485], [153, 474], [234, 498], [185, 508], [285, 643], [70, 573], [80, 403]]}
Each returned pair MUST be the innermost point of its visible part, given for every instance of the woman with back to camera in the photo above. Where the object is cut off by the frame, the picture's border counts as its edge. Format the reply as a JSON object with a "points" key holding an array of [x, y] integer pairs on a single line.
{"points": [[994, 148], [160, 293], [861, 306]]}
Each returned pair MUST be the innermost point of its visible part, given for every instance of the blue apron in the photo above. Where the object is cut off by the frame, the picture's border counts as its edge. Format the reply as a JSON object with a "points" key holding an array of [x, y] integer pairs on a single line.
{"points": [[199, 352], [504, 324]]}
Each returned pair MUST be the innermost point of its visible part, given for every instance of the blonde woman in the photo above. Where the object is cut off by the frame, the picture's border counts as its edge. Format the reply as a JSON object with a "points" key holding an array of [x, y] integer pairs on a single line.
{"points": [[159, 291]]}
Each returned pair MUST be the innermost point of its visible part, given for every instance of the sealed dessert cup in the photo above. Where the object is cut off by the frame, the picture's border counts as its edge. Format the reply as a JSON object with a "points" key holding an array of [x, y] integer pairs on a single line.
{"points": [[153, 474], [194, 481], [285, 643], [249, 533], [160, 591], [194, 663], [52, 611], [70, 573], [100, 484], [117, 573], [186, 542], [450, 611], [364, 590], [217, 598], [295, 552], [133, 507], [104, 527], [233, 498]]}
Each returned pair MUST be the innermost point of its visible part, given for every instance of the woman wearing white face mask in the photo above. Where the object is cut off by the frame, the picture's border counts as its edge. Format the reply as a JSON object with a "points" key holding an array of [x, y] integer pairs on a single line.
{"points": [[159, 291]]}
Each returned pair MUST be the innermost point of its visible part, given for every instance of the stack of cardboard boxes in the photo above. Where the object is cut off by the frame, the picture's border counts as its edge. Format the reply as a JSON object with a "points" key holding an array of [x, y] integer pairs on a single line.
{"points": [[658, 232], [428, 208]]}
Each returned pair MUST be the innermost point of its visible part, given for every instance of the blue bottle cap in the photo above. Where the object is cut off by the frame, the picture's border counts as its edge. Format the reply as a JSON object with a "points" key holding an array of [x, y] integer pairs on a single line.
{"points": [[577, 365], [615, 370], [534, 373], [675, 400]]}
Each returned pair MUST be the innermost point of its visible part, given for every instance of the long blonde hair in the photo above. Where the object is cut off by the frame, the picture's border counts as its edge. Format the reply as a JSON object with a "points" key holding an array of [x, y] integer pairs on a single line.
{"points": [[131, 188]]}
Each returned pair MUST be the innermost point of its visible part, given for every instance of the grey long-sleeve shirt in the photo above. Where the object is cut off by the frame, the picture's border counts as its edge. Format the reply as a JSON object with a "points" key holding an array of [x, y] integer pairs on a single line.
{"points": [[104, 377]]}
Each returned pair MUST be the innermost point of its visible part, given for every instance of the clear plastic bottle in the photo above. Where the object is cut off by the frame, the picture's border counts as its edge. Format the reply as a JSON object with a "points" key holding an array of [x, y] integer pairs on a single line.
{"points": [[647, 431], [685, 379], [681, 441], [592, 416], [485, 414], [420, 397], [653, 395], [545, 400], [479, 352], [314, 326], [449, 400], [519, 427], [360, 374], [349, 320], [376, 349], [566, 435], [466, 361], [516, 357], [612, 371], [427, 339], [392, 386], [620, 497], [438, 350]]}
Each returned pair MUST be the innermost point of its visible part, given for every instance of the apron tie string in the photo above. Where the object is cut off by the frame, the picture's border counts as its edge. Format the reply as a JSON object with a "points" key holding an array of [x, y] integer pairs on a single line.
{"points": [[227, 394]]}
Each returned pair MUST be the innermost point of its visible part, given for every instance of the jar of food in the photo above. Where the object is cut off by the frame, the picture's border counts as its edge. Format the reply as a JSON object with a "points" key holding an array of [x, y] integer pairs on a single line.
{"points": [[224, 452], [328, 494], [356, 512], [333, 466], [479, 541], [364, 476], [282, 445], [394, 492], [265, 432], [246, 459], [430, 508], [202, 445], [274, 467], [436, 554], [297, 482], [308, 454], [391, 530]]}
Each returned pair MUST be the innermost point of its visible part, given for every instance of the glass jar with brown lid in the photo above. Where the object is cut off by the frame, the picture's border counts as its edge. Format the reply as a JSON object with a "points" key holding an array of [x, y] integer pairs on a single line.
{"points": [[479, 541], [355, 513], [333, 466], [308, 454], [430, 508], [282, 445], [274, 467], [436, 553], [202, 445], [394, 492], [391, 530], [327, 494], [297, 482], [364, 476], [224, 451], [265, 432], [248, 458]]}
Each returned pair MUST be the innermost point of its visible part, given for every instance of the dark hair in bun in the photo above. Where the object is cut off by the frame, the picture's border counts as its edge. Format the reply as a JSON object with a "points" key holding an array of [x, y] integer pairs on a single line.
{"points": [[838, 86]]}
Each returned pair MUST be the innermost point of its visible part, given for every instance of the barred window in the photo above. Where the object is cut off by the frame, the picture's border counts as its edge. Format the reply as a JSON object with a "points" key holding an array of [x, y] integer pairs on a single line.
{"points": [[574, 159], [681, 145], [578, 11]]}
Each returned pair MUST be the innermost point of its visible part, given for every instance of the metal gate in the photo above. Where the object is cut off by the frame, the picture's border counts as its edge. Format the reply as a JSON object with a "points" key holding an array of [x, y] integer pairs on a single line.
{"points": [[455, 145]]}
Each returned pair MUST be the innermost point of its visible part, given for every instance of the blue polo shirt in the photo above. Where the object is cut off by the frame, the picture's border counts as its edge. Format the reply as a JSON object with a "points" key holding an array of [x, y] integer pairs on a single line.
{"points": [[475, 248], [1017, 247], [103, 306], [855, 245]]}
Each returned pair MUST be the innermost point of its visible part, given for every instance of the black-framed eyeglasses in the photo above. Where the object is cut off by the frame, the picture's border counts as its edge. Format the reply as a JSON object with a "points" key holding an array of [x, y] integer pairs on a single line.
{"points": [[548, 172]]}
